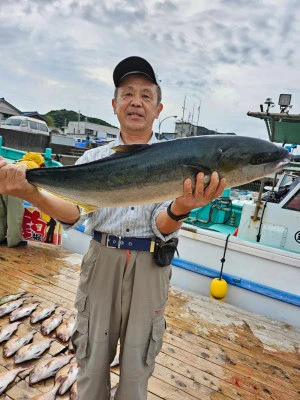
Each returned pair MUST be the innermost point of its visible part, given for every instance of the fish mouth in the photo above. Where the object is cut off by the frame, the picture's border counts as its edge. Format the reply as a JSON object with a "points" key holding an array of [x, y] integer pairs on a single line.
{"points": [[277, 165]]}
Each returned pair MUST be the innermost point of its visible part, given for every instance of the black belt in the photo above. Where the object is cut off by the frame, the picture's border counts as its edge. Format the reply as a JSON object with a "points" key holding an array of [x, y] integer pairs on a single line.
{"points": [[122, 242]]}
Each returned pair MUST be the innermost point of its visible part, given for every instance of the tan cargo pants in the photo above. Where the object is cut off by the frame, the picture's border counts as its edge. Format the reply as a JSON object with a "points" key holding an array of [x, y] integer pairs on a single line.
{"points": [[118, 301], [11, 217]]}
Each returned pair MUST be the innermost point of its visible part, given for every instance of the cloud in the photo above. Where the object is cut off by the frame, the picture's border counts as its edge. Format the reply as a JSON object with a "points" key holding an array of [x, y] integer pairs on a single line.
{"points": [[61, 53]]}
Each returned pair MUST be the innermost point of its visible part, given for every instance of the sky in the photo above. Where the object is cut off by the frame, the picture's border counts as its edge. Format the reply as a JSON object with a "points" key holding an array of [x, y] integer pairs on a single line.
{"points": [[225, 57]]}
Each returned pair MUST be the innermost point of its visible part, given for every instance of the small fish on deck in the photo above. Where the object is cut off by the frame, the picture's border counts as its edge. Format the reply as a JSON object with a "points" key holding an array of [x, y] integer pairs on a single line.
{"points": [[8, 330], [51, 395], [67, 375], [47, 368], [52, 323], [32, 351], [14, 344], [23, 311], [11, 306], [74, 391], [65, 330], [7, 377], [45, 312], [11, 297]]}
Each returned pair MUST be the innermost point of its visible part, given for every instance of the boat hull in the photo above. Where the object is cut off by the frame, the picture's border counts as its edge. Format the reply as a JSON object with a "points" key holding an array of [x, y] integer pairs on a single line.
{"points": [[261, 279], [273, 271]]}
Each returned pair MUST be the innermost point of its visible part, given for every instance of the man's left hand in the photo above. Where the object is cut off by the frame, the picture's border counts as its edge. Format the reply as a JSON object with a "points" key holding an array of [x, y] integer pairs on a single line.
{"points": [[200, 195]]}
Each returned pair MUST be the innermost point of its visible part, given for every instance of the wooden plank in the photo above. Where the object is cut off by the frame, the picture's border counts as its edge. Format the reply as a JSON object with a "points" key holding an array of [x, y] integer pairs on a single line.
{"points": [[39, 276], [47, 292], [273, 375], [200, 363], [238, 358], [234, 312], [161, 388], [212, 327], [213, 311]]}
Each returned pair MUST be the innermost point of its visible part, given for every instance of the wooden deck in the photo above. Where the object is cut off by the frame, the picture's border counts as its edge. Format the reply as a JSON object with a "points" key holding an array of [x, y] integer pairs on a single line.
{"points": [[211, 350]]}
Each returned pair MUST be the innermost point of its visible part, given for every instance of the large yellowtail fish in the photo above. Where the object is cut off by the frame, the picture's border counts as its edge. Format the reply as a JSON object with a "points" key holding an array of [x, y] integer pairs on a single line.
{"points": [[141, 173]]}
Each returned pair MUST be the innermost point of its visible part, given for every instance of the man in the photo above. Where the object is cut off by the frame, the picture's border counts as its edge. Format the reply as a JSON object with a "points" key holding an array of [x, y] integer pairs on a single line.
{"points": [[122, 291], [11, 217]]}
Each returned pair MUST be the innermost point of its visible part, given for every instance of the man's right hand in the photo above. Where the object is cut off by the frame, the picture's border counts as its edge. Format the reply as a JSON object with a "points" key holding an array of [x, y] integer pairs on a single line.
{"points": [[13, 181]]}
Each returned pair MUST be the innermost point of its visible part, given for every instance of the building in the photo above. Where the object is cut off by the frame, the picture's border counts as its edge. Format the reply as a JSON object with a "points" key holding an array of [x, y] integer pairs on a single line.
{"points": [[34, 114], [7, 110], [186, 129], [85, 128]]}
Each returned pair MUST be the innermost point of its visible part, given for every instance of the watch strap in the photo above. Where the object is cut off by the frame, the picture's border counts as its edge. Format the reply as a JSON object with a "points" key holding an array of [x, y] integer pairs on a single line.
{"points": [[177, 218]]}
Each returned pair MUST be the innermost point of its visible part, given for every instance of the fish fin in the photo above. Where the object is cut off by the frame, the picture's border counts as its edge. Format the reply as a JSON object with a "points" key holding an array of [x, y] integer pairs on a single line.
{"points": [[26, 365], [207, 170], [192, 171], [86, 208], [195, 169], [130, 148]]}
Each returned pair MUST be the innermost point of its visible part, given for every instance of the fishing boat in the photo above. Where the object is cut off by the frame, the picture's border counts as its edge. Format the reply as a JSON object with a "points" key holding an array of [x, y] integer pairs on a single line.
{"points": [[252, 243]]}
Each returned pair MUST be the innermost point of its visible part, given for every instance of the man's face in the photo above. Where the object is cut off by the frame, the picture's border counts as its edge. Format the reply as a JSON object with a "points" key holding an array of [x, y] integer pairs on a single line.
{"points": [[136, 104]]}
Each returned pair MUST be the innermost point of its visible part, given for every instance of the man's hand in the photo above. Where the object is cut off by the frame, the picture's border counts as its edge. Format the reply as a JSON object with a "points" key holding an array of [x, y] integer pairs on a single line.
{"points": [[13, 180], [199, 196]]}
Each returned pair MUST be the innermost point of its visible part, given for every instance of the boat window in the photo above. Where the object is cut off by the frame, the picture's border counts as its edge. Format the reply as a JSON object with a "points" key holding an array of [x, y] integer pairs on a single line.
{"points": [[12, 122], [33, 125], [24, 124], [43, 128], [294, 202], [286, 180]]}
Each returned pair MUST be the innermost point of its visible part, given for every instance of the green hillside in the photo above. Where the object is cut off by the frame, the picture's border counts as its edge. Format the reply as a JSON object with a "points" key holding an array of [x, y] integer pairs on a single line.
{"points": [[61, 117]]}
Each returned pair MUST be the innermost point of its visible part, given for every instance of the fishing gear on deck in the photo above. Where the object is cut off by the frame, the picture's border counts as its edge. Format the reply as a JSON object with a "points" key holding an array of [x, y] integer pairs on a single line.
{"points": [[218, 286], [220, 204], [260, 223]]}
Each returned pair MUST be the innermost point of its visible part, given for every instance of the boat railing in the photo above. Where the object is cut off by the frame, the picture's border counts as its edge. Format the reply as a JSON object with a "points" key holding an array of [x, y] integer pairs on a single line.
{"points": [[14, 155]]}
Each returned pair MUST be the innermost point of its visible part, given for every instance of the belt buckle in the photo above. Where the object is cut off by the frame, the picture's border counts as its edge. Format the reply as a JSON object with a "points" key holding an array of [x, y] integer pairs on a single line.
{"points": [[118, 246]]}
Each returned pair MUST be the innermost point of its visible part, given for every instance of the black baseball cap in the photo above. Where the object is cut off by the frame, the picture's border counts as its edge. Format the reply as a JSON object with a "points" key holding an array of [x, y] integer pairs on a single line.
{"points": [[133, 65]]}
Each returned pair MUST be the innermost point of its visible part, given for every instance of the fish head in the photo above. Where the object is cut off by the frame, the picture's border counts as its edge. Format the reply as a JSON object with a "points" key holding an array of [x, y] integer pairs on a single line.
{"points": [[248, 159], [33, 378]]}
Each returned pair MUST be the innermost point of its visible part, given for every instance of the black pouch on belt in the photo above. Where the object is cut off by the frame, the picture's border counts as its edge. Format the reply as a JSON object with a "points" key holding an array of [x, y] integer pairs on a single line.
{"points": [[164, 251]]}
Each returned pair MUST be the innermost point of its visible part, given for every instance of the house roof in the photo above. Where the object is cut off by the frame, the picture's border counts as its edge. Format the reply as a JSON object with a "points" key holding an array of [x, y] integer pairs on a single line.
{"points": [[34, 114], [2, 99]]}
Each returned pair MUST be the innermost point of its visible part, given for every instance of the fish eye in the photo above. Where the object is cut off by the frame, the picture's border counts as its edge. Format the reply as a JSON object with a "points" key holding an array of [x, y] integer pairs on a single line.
{"points": [[258, 159]]}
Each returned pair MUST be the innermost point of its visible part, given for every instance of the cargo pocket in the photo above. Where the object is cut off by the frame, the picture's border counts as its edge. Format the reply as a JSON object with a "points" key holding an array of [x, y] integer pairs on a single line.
{"points": [[156, 338], [80, 300], [79, 337]]}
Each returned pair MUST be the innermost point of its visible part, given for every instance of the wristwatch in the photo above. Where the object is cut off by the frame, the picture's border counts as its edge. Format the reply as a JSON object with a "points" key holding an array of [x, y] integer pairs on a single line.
{"points": [[177, 218]]}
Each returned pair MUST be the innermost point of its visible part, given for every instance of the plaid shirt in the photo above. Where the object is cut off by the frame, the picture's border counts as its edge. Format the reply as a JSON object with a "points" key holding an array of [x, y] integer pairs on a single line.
{"points": [[130, 221]]}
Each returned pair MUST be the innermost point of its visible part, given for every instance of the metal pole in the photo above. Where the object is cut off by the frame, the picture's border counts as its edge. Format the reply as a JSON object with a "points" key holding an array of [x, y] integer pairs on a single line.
{"points": [[171, 116], [199, 113], [78, 123]]}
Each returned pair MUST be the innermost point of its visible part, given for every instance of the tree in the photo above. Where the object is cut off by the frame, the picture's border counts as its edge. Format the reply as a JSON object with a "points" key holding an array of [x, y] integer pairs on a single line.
{"points": [[50, 120]]}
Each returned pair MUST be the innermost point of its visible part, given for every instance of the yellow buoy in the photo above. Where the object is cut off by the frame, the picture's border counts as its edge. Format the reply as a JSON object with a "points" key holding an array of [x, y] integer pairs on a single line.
{"points": [[218, 288]]}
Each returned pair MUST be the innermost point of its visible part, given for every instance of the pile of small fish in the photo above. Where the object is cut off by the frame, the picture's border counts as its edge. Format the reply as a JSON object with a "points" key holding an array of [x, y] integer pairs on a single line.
{"points": [[24, 348]]}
